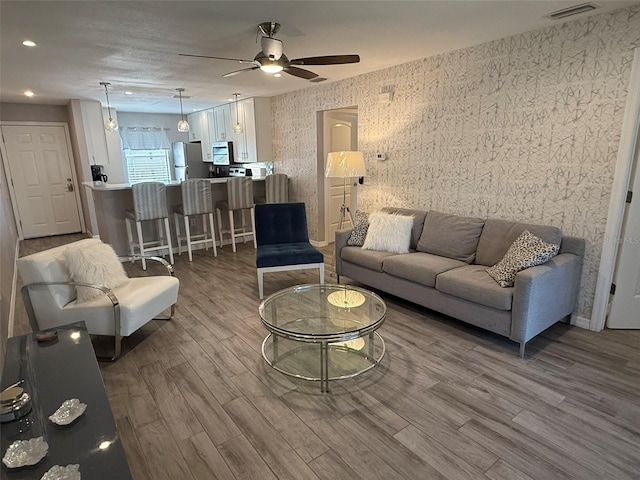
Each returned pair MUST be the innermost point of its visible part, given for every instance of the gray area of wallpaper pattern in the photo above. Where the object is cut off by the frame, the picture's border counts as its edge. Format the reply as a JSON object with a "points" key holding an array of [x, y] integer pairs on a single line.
{"points": [[524, 128]]}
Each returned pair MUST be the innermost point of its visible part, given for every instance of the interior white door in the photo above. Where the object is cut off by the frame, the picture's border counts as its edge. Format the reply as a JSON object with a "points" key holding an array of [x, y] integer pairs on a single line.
{"points": [[340, 140], [625, 304], [40, 169]]}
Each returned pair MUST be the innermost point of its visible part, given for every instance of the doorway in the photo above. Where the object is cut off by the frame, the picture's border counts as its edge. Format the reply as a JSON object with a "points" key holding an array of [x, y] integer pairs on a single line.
{"points": [[338, 131], [44, 188]]}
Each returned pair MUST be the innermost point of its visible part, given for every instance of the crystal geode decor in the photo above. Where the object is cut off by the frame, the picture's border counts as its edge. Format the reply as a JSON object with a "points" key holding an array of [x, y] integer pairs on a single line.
{"points": [[68, 412], [25, 452], [70, 472]]}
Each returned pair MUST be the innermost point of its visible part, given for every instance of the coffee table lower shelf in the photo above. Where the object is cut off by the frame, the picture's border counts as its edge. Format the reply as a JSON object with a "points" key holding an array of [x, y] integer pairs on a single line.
{"points": [[322, 360]]}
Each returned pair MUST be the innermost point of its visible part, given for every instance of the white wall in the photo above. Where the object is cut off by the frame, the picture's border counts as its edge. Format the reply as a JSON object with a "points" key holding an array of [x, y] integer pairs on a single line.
{"points": [[524, 128], [163, 120]]}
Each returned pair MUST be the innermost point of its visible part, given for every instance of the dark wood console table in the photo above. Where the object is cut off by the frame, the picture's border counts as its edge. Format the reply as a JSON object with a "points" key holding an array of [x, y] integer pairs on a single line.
{"points": [[54, 372]]}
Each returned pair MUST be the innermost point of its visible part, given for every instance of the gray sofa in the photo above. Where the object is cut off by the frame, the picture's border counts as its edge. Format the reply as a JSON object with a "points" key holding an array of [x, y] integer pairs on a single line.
{"points": [[445, 271]]}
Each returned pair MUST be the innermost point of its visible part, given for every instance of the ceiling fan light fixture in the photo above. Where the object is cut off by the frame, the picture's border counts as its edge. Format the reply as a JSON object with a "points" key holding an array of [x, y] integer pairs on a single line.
{"points": [[110, 125], [271, 67], [183, 125]]}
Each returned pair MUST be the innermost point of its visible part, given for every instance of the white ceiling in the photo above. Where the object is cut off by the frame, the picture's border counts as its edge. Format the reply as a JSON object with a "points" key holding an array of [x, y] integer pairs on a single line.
{"points": [[135, 44]]}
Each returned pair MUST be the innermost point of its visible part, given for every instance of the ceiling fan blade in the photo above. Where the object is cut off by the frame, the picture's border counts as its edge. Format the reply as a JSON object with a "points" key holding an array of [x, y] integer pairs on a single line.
{"points": [[231, 74], [216, 58], [327, 60], [300, 72]]}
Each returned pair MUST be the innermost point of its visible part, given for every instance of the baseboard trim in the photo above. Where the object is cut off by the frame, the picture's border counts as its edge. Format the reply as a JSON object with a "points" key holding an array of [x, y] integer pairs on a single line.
{"points": [[14, 288], [580, 322]]}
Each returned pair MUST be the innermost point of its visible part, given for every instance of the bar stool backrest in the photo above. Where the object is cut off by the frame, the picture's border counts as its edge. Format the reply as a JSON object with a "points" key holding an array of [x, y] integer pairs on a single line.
{"points": [[240, 193], [277, 188], [196, 196], [149, 201]]}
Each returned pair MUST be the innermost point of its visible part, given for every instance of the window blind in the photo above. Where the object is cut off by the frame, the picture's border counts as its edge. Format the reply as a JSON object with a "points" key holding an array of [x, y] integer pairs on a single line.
{"points": [[148, 165]]}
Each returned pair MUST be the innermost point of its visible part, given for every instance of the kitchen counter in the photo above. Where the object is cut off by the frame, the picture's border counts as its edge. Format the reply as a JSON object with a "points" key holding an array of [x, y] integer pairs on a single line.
{"points": [[111, 200]]}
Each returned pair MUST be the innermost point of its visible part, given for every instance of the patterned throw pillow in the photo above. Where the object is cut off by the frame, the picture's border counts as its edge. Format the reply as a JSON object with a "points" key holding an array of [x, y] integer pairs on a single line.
{"points": [[359, 232], [526, 251]]}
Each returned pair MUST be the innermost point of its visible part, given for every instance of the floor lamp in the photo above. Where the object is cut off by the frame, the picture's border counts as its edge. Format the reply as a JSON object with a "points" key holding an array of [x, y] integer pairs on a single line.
{"points": [[345, 165]]}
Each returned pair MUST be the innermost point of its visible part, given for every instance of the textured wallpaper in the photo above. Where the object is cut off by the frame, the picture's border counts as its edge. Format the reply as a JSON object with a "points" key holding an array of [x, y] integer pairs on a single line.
{"points": [[524, 128]]}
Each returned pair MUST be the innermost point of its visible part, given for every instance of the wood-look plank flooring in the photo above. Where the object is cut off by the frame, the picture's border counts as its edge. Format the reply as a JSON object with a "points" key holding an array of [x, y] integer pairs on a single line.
{"points": [[193, 398]]}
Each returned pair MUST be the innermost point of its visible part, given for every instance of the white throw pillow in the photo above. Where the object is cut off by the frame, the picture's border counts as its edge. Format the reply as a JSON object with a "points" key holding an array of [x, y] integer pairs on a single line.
{"points": [[96, 263], [388, 232], [526, 251]]}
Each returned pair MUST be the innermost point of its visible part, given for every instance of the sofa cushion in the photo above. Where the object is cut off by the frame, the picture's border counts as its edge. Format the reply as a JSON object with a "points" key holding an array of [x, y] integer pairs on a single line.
{"points": [[473, 283], [359, 232], [422, 268], [371, 259], [450, 236], [498, 235], [527, 251], [388, 232], [418, 221]]}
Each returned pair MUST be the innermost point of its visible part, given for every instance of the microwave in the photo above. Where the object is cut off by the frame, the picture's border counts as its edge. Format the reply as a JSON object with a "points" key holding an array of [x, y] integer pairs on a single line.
{"points": [[222, 153]]}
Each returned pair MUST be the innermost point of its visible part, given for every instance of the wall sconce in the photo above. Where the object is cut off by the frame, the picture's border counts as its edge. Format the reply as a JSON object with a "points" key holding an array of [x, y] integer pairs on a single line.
{"points": [[183, 125], [110, 125]]}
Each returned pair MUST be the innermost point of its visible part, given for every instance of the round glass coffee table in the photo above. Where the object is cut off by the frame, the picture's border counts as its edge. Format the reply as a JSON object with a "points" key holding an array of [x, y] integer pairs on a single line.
{"points": [[323, 332]]}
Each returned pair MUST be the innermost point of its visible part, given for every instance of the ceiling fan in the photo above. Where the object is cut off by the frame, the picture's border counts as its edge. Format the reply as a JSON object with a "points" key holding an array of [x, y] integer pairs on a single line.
{"points": [[271, 59]]}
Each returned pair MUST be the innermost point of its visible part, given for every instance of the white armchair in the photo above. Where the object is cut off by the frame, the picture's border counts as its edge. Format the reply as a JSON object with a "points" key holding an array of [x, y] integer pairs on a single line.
{"points": [[50, 296]]}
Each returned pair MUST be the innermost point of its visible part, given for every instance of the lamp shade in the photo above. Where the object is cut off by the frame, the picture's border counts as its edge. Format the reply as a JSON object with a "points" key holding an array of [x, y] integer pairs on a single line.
{"points": [[345, 164]]}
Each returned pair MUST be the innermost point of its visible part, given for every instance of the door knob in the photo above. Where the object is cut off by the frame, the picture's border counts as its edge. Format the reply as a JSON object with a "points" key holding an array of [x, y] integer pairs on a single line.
{"points": [[69, 185]]}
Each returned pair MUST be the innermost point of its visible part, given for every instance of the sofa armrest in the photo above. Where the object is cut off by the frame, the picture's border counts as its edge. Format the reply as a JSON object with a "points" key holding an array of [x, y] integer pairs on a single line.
{"points": [[544, 295], [341, 241], [133, 258]]}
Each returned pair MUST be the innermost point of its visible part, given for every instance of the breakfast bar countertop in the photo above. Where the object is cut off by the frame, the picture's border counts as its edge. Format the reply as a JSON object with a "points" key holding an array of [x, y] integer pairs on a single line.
{"points": [[173, 183]]}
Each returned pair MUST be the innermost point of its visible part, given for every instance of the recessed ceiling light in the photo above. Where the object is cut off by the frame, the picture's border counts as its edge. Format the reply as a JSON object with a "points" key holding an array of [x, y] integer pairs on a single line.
{"points": [[29, 43], [277, 75], [229, 99], [128, 93], [28, 93]]}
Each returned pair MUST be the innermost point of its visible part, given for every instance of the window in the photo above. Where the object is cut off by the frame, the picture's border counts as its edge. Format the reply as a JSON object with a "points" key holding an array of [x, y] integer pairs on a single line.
{"points": [[147, 165]]}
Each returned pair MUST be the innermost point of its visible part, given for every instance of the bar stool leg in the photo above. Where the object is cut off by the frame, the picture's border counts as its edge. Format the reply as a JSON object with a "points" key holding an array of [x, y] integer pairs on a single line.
{"points": [[204, 231], [129, 235], [141, 243], [213, 235], [253, 226], [176, 221], [188, 233], [232, 227], [168, 231], [244, 227], [219, 225]]}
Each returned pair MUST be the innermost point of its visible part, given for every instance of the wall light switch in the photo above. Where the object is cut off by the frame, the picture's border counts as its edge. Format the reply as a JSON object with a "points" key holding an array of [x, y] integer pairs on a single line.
{"points": [[381, 156]]}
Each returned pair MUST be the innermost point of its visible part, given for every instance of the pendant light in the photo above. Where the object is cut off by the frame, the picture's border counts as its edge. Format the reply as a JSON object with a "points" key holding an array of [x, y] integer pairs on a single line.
{"points": [[110, 125], [183, 125], [237, 128]]}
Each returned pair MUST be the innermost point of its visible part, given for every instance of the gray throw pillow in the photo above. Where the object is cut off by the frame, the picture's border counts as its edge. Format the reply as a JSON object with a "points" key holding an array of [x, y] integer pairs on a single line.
{"points": [[527, 251], [359, 232], [451, 236]]}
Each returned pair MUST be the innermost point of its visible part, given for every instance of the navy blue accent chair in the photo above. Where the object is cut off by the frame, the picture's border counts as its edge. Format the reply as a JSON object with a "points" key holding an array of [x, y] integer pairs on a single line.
{"points": [[283, 241]]}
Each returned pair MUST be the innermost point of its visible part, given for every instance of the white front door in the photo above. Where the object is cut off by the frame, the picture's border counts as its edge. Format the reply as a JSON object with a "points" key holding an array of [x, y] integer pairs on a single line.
{"points": [[40, 170], [625, 305]]}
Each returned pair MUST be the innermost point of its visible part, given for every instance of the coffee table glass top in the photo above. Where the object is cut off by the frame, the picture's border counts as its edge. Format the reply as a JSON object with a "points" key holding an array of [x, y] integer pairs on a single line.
{"points": [[322, 312]]}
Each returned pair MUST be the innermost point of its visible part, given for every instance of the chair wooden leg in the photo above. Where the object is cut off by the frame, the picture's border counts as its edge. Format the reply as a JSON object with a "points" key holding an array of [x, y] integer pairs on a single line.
{"points": [[260, 284], [219, 215], [168, 230], [141, 244], [176, 221], [187, 231], [213, 234], [253, 226], [232, 227]]}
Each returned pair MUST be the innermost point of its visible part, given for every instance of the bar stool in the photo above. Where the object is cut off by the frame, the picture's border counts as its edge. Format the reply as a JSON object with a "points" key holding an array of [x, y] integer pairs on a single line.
{"points": [[277, 188], [239, 197], [196, 200], [149, 203]]}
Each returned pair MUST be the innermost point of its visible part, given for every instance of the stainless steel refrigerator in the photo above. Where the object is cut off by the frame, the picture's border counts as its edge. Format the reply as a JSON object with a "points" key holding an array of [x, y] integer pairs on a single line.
{"points": [[187, 161]]}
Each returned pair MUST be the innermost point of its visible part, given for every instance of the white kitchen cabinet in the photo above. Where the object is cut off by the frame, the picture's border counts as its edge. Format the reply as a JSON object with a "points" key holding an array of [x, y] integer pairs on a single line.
{"points": [[199, 127], [221, 123], [254, 143]]}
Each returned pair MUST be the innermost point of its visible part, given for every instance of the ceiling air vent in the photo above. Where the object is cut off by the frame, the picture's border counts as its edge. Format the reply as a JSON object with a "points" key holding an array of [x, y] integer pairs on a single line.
{"points": [[317, 79], [575, 10]]}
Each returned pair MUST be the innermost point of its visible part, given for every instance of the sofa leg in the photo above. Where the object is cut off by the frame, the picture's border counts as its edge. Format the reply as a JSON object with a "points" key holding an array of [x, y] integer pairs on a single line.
{"points": [[522, 345]]}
